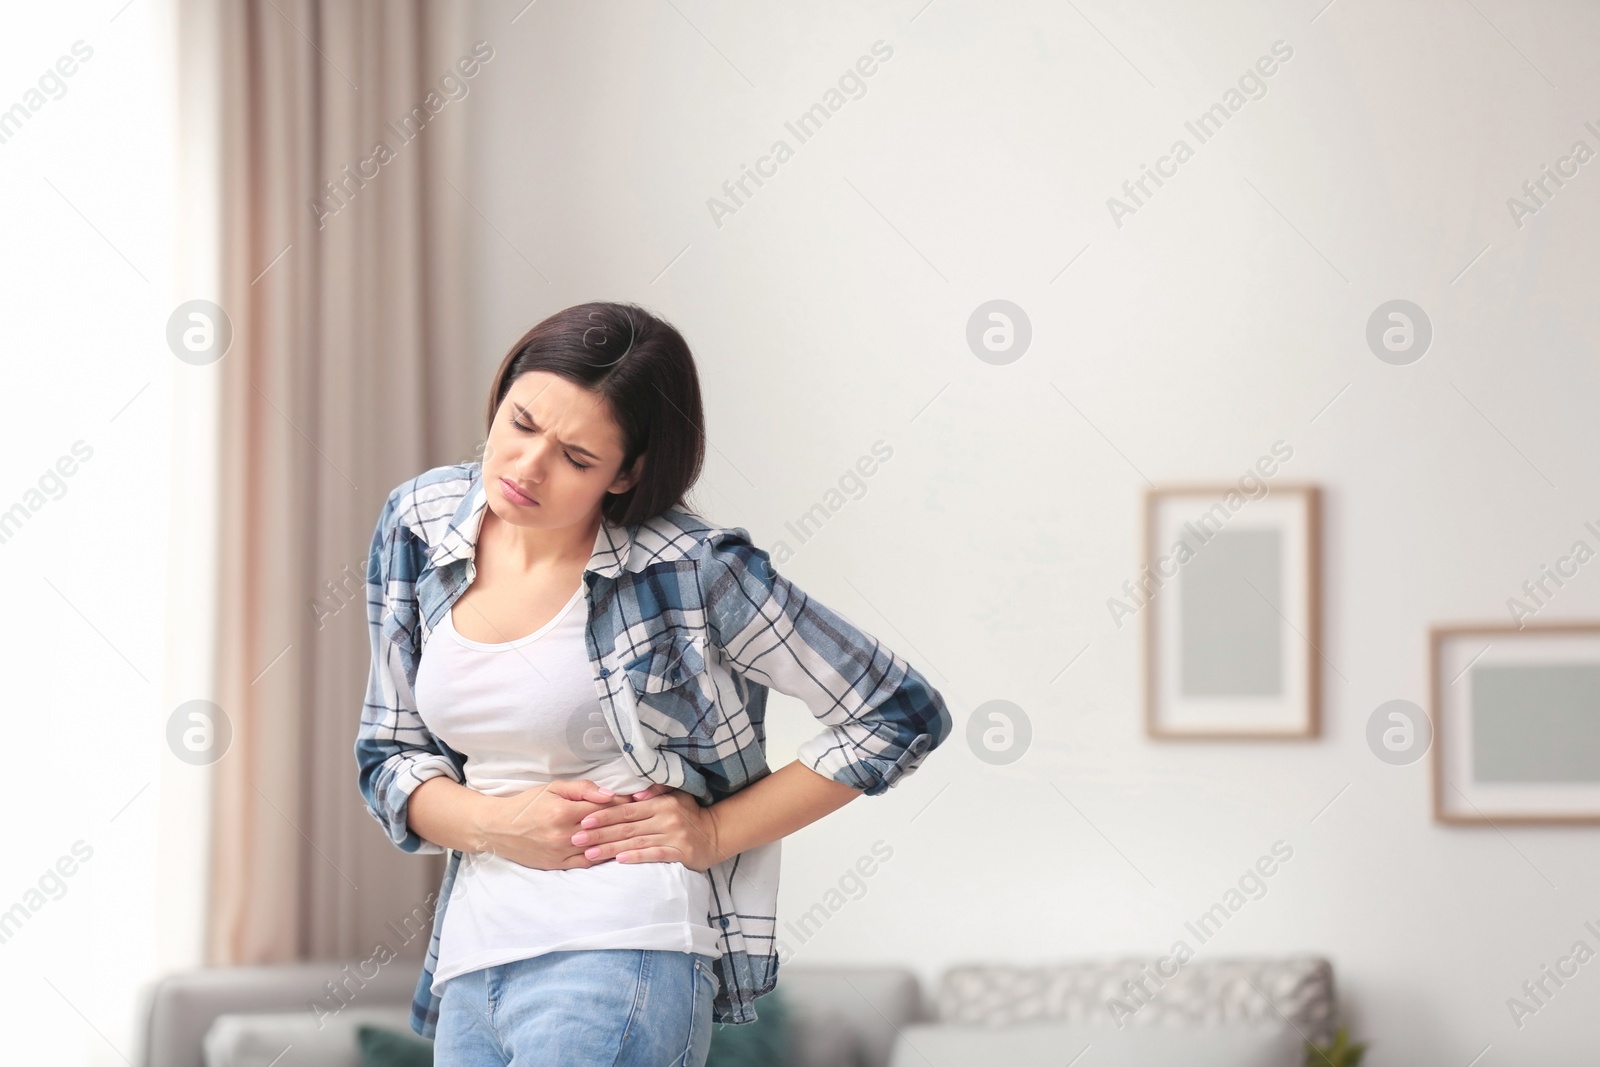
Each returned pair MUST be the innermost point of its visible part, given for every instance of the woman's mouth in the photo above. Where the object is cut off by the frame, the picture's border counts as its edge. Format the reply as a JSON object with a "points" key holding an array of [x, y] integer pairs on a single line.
{"points": [[515, 495]]}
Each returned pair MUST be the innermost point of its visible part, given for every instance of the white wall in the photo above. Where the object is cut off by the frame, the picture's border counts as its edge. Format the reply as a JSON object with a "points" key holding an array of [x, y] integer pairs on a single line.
{"points": [[829, 312]]}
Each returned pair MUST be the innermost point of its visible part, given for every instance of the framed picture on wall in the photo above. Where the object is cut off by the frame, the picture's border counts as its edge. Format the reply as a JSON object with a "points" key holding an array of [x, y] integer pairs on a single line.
{"points": [[1232, 615], [1516, 723]]}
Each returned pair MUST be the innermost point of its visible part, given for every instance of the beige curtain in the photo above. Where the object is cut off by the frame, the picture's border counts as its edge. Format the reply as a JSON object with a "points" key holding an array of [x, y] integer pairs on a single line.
{"points": [[348, 373]]}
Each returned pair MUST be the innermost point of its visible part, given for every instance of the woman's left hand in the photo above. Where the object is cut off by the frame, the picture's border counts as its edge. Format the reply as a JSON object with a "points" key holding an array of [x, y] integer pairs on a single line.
{"points": [[660, 825]]}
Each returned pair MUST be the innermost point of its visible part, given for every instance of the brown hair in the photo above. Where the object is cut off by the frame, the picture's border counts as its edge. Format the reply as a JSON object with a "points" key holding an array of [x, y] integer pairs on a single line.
{"points": [[642, 367]]}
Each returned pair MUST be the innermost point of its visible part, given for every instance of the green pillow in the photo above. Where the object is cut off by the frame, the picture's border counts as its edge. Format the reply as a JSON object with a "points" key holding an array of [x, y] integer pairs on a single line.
{"points": [[383, 1047], [763, 1043]]}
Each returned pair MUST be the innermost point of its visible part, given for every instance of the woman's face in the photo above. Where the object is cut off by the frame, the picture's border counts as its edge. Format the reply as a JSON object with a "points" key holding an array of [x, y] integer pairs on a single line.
{"points": [[556, 442]]}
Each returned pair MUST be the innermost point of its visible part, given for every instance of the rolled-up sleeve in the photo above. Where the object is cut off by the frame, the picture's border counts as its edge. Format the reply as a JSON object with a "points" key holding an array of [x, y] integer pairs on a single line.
{"points": [[395, 751], [881, 717]]}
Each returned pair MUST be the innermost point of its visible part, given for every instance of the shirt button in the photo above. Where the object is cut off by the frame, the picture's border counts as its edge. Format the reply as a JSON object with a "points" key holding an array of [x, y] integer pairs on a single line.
{"points": [[627, 748], [605, 672], [724, 922]]}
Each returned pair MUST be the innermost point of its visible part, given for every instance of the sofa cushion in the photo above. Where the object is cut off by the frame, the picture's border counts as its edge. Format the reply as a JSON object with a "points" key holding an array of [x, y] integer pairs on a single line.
{"points": [[385, 1046], [1150, 991], [844, 1016], [297, 1038], [180, 1008], [1056, 1044], [763, 1043]]}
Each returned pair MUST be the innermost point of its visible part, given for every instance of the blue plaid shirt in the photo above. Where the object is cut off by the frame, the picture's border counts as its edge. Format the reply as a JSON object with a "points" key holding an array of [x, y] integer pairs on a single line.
{"points": [[689, 626]]}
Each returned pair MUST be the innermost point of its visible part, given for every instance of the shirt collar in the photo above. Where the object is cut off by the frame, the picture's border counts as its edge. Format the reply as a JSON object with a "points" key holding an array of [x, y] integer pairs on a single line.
{"points": [[611, 543]]}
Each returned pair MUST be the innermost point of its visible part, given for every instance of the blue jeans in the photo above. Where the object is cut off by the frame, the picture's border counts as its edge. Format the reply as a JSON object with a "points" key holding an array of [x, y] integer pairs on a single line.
{"points": [[591, 1008]]}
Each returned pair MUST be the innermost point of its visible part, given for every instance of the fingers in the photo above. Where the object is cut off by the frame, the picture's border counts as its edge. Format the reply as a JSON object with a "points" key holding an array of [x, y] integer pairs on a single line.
{"points": [[627, 815], [582, 789], [564, 789], [650, 854]]}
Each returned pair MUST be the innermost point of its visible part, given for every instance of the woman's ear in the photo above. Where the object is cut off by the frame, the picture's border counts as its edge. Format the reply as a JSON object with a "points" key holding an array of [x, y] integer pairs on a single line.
{"points": [[627, 481]]}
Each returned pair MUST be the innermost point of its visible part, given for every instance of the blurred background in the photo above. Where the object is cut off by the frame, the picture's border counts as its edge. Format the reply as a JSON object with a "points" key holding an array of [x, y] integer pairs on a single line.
{"points": [[262, 260]]}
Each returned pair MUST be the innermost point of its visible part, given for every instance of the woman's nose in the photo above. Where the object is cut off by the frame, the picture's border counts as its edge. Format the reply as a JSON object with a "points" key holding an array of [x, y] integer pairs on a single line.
{"points": [[531, 464]]}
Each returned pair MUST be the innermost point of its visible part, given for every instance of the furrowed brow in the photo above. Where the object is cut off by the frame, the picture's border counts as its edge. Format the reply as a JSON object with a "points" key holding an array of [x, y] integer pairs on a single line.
{"points": [[566, 444]]}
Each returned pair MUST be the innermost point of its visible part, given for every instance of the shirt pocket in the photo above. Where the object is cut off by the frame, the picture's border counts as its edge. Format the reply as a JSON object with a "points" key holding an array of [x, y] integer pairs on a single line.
{"points": [[672, 690], [673, 660], [399, 625]]}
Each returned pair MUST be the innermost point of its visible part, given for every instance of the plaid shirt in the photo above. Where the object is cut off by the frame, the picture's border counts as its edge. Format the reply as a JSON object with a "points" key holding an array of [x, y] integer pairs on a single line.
{"points": [[689, 626]]}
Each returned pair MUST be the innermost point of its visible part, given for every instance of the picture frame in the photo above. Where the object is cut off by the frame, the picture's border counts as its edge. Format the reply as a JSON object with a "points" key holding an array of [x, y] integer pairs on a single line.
{"points": [[1516, 723], [1233, 616]]}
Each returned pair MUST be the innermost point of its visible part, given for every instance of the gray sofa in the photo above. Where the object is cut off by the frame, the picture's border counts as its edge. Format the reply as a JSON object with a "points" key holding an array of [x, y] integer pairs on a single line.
{"points": [[1230, 1013]]}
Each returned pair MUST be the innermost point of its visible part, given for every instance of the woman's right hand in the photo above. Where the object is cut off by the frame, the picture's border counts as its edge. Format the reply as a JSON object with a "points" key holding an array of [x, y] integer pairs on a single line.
{"points": [[534, 828]]}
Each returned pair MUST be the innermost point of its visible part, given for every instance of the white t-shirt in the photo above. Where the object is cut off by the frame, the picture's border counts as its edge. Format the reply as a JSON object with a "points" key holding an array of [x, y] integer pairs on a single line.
{"points": [[524, 713]]}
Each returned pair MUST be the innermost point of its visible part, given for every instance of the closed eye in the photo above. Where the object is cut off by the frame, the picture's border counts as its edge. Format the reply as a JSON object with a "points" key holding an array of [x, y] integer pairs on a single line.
{"points": [[564, 452]]}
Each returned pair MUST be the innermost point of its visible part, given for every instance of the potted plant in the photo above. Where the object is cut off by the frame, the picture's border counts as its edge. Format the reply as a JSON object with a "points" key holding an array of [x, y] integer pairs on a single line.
{"points": [[1339, 1054]]}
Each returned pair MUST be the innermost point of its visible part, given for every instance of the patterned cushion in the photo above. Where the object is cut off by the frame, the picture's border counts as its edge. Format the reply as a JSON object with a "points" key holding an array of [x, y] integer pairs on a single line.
{"points": [[1052, 1044], [1145, 992]]}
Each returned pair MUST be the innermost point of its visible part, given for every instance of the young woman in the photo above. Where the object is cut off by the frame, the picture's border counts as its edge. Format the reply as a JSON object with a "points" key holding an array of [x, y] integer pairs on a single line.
{"points": [[568, 693]]}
